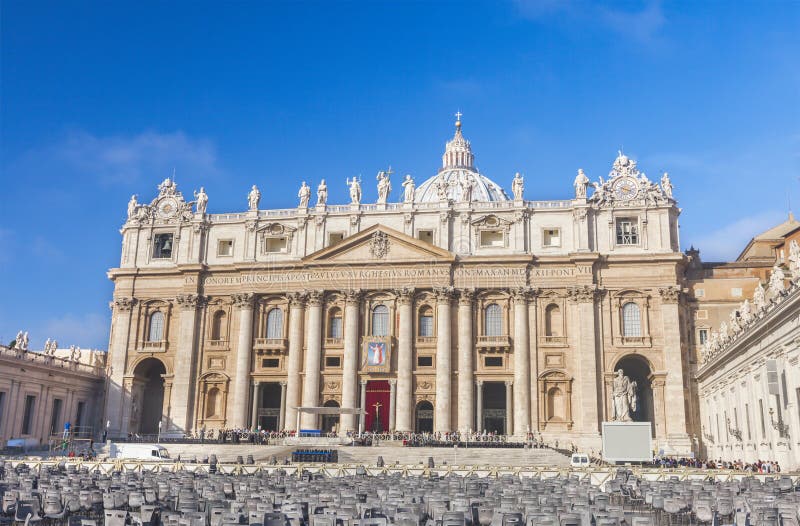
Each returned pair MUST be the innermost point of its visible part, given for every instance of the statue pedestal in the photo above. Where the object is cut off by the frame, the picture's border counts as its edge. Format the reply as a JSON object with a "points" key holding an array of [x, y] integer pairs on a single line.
{"points": [[627, 442]]}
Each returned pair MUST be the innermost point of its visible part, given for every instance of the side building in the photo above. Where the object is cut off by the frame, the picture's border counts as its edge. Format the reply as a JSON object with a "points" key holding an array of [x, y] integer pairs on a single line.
{"points": [[458, 308]]}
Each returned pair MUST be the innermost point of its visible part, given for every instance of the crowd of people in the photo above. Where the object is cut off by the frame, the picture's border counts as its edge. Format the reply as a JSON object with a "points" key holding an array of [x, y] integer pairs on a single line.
{"points": [[760, 466]]}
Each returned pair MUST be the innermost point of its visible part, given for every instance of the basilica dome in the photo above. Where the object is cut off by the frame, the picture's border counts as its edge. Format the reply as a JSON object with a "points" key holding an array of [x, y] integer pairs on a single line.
{"points": [[458, 168]]}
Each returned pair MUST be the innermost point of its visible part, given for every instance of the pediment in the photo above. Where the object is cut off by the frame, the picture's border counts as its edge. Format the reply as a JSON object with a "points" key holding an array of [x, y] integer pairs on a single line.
{"points": [[380, 244]]}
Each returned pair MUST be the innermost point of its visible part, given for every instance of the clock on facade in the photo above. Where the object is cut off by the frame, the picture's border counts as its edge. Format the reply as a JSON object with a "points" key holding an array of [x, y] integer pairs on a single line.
{"points": [[167, 207], [625, 188]]}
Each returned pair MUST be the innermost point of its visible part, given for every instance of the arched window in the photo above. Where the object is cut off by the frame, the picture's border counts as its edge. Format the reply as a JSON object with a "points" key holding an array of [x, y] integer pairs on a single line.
{"points": [[335, 323], [218, 326], [212, 402], [493, 320], [631, 320], [156, 329], [552, 320], [426, 322], [380, 320], [275, 323]]}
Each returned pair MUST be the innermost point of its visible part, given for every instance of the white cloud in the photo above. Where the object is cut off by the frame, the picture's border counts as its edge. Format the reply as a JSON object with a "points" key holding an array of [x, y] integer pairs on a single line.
{"points": [[727, 242], [86, 330]]}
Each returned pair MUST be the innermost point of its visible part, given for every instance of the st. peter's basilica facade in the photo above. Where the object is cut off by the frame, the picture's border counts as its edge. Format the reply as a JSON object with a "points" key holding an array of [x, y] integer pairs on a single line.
{"points": [[458, 308]]}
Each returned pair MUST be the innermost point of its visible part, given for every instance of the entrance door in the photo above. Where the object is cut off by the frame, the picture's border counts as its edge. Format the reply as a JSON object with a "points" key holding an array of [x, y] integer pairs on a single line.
{"points": [[148, 377], [377, 401], [330, 423], [494, 407], [269, 408], [424, 417]]}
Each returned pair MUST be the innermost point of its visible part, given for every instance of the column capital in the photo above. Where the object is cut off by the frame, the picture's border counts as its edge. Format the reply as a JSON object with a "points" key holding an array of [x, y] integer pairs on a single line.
{"points": [[283, 384], [670, 294], [521, 295], [256, 383], [363, 381], [297, 299], [466, 297], [392, 382], [243, 300], [479, 383], [352, 296], [405, 295], [123, 304], [443, 294], [315, 297], [189, 301], [583, 293], [509, 383]]}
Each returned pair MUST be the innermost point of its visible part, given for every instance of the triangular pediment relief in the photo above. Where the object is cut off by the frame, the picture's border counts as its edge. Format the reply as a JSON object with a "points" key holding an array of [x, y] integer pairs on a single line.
{"points": [[380, 244]]}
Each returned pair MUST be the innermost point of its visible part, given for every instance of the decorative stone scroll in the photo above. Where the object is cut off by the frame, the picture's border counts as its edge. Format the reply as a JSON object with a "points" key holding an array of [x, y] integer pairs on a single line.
{"points": [[466, 297], [124, 304], [405, 295], [188, 301], [671, 294], [352, 296], [315, 297], [443, 294], [582, 294], [297, 299], [243, 300]]}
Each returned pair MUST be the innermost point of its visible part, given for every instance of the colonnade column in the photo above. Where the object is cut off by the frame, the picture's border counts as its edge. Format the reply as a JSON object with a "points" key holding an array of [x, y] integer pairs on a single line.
{"points": [[282, 414], [254, 414], [509, 406], [392, 404], [181, 405], [479, 412], [587, 365], [443, 363], [350, 361], [311, 387], [673, 388], [244, 302], [119, 353], [405, 360], [466, 381], [522, 367], [296, 312], [362, 405]]}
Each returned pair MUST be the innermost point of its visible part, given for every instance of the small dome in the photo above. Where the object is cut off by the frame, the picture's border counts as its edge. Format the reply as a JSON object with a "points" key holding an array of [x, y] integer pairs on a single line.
{"points": [[458, 167]]}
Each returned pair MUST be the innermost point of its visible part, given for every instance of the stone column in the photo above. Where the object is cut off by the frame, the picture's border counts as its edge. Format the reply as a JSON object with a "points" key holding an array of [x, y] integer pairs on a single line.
{"points": [[673, 388], [443, 366], [117, 361], [254, 414], [182, 404], [311, 387], [522, 368], [241, 381], [466, 381], [362, 405], [282, 414], [509, 406], [533, 337], [479, 413], [587, 384], [392, 404], [405, 361], [297, 302], [350, 361]]}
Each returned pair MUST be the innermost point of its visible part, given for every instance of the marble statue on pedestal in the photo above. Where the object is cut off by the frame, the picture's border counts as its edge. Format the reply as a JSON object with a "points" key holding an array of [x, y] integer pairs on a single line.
{"points": [[581, 183], [623, 397], [466, 189], [408, 189], [355, 190], [304, 194], [132, 204], [518, 186], [776, 284], [253, 198], [441, 188], [322, 193], [666, 185], [759, 298], [202, 201], [384, 186]]}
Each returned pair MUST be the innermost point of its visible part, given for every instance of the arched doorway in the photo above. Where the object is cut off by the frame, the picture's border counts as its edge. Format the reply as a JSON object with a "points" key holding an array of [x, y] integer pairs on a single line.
{"points": [[330, 422], [637, 370], [148, 396], [424, 417]]}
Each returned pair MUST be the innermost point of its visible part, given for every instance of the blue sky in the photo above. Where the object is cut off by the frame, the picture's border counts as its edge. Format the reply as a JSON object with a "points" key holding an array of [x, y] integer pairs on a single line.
{"points": [[100, 100]]}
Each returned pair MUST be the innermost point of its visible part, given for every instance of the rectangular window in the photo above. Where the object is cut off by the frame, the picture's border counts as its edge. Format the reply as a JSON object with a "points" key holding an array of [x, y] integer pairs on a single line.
{"points": [[270, 363], [736, 292], [747, 419], [761, 412], [551, 237], [335, 237], [55, 418], [424, 361], [336, 327], [492, 238], [493, 361], [699, 293], [702, 336], [275, 244], [225, 247], [702, 315], [333, 361], [162, 246], [425, 235], [27, 415], [426, 324], [627, 231]]}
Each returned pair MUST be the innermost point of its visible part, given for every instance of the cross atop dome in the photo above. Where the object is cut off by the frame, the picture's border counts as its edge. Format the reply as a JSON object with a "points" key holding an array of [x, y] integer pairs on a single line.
{"points": [[458, 153], [458, 118]]}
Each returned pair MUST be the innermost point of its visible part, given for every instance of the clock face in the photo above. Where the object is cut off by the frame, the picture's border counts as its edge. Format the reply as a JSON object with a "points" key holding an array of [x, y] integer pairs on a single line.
{"points": [[167, 207], [625, 188]]}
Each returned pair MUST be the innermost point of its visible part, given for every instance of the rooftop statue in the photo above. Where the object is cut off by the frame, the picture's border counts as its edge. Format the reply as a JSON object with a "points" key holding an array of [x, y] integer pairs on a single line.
{"points": [[441, 188], [408, 189], [253, 198], [776, 284], [517, 187], [581, 183], [304, 194], [794, 259], [202, 201], [466, 188], [384, 186], [746, 312], [355, 190], [132, 204], [759, 298], [322, 193], [666, 185]]}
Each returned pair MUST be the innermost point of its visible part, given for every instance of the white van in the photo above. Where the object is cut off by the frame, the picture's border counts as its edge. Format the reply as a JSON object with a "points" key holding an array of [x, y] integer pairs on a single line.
{"points": [[154, 452], [579, 460]]}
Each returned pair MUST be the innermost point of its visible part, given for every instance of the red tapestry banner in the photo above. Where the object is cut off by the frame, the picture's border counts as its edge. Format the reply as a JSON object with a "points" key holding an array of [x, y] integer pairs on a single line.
{"points": [[377, 402]]}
